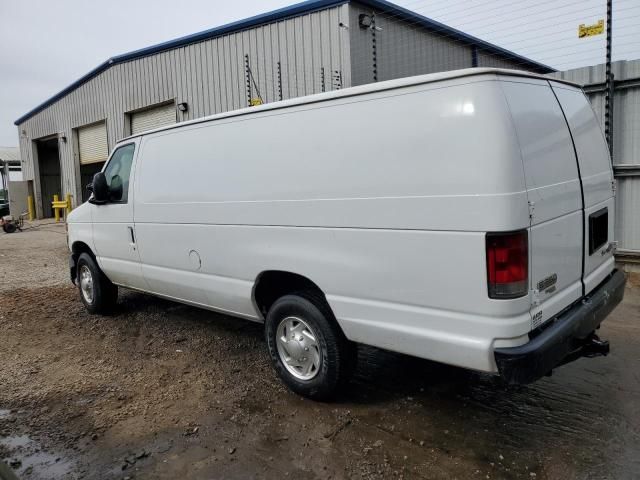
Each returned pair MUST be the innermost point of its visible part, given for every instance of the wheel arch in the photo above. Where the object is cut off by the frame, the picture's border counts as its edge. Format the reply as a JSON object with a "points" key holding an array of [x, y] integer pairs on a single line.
{"points": [[78, 248], [273, 284]]}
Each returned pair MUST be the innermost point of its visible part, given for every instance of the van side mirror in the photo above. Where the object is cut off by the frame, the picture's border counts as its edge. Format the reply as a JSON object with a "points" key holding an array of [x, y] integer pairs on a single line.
{"points": [[99, 189]]}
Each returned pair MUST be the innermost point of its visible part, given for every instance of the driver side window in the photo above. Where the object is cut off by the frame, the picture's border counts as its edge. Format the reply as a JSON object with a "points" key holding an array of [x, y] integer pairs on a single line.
{"points": [[117, 173]]}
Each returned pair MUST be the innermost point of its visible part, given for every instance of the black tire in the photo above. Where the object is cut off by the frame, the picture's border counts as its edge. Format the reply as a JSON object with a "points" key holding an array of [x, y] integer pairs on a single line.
{"points": [[9, 227], [337, 354], [104, 294]]}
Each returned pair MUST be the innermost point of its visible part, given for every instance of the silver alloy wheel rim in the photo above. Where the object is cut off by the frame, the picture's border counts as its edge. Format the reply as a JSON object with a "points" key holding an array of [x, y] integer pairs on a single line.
{"points": [[298, 349], [86, 283]]}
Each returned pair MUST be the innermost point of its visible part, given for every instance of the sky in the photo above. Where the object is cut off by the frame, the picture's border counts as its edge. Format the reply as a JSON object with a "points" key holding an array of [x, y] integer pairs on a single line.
{"points": [[45, 45]]}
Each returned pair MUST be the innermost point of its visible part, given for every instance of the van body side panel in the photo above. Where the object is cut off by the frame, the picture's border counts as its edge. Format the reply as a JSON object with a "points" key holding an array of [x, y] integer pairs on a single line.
{"points": [[321, 165], [597, 181], [388, 288], [81, 229], [402, 261], [553, 186]]}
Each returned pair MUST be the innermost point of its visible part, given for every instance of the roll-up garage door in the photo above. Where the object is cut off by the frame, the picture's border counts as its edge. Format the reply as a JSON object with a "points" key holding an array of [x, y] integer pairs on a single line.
{"points": [[92, 143], [153, 118]]}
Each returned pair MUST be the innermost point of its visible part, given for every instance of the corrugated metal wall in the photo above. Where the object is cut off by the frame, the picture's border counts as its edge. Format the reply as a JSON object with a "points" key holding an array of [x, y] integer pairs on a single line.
{"points": [[626, 140], [486, 59], [404, 48], [209, 76]]}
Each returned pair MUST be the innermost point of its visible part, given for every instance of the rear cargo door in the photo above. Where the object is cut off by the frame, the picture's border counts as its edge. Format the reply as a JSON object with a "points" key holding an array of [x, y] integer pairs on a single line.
{"points": [[554, 193], [597, 183]]}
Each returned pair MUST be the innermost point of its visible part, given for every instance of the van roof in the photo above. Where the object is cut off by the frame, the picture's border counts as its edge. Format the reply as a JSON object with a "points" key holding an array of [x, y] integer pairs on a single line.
{"points": [[360, 90]]}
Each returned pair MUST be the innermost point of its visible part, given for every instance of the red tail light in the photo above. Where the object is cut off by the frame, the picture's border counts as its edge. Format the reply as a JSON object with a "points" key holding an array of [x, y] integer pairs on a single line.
{"points": [[507, 264]]}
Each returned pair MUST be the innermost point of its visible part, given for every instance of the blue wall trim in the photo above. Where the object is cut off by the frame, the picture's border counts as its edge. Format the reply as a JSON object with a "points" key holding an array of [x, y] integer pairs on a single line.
{"points": [[280, 14]]}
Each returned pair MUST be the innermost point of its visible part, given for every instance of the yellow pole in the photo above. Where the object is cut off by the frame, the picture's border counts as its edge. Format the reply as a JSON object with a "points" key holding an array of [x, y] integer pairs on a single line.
{"points": [[56, 212], [30, 208], [67, 198]]}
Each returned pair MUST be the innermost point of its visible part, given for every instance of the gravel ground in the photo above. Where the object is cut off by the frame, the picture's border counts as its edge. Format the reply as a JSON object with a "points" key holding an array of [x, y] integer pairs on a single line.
{"points": [[162, 390], [34, 257]]}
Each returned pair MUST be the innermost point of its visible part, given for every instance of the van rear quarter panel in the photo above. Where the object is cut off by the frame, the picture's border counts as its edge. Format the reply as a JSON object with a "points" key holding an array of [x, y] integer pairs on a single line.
{"points": [[383, 200]]}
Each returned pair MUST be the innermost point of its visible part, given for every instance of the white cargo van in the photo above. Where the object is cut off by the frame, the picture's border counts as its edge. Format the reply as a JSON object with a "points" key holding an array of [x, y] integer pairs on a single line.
{"points": [[464, 217]]}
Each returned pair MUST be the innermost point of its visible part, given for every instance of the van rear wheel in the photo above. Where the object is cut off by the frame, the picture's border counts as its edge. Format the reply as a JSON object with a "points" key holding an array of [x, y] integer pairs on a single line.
{"points": [[308, 350], [97, 293]]}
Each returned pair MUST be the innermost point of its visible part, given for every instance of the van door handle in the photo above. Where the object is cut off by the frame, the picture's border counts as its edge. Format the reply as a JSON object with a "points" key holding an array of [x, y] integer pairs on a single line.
{"points": [[133, 238]]}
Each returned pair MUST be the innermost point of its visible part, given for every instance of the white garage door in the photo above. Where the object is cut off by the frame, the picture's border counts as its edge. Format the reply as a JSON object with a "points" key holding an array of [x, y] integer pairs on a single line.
{"points": [[153, 118], [92, 143]]}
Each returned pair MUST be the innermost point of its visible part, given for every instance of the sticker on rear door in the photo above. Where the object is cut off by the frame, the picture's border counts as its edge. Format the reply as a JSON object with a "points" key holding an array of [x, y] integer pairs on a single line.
{"points": [[536, 320]]}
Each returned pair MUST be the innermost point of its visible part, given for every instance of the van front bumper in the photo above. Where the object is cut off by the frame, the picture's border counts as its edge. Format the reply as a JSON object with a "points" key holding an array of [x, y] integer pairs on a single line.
{"points": [[568, 337]]}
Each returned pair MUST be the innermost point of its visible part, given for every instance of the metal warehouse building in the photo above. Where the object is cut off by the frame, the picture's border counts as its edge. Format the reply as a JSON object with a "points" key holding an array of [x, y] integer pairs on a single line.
{"points": [[311, 47]]}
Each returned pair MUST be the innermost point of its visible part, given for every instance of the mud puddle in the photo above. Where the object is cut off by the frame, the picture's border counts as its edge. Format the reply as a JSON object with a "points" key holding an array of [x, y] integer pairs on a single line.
{"points": [[27, 458]]}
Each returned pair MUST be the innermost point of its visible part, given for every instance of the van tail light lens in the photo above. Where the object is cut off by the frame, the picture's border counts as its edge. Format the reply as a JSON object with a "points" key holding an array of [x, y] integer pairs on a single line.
{"points": [[507, 264]]}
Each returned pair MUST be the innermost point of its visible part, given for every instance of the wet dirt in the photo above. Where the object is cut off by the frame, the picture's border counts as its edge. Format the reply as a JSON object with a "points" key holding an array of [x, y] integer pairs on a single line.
{"points": [[162, 390]]}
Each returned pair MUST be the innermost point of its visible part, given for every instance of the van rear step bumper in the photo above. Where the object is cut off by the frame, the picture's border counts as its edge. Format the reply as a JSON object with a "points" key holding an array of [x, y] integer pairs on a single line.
{"points": [[569, 337]]}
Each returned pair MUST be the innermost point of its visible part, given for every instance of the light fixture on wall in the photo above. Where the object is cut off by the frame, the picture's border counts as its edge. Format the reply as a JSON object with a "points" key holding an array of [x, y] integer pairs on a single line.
{"points": [[183, 107], [364, 20], [63, 137], [367, 21]]}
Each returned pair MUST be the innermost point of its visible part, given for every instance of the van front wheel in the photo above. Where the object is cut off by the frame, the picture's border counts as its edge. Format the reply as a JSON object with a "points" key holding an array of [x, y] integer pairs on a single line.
{"points": [[97, 292], [308, 350]]}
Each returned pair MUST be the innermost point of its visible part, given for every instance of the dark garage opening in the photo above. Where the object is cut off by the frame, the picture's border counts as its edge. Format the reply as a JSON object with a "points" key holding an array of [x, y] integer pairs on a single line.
{"points": [[86, 175], [50, 178]]}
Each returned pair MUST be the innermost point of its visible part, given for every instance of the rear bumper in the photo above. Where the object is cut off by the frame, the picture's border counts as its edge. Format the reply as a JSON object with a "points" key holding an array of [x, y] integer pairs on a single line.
{"points": [[570, 336]]}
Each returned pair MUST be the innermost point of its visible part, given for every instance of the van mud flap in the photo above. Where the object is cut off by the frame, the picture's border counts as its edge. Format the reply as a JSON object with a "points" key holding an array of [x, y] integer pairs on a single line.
{"points": [[568, 337], [73, 264]]}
